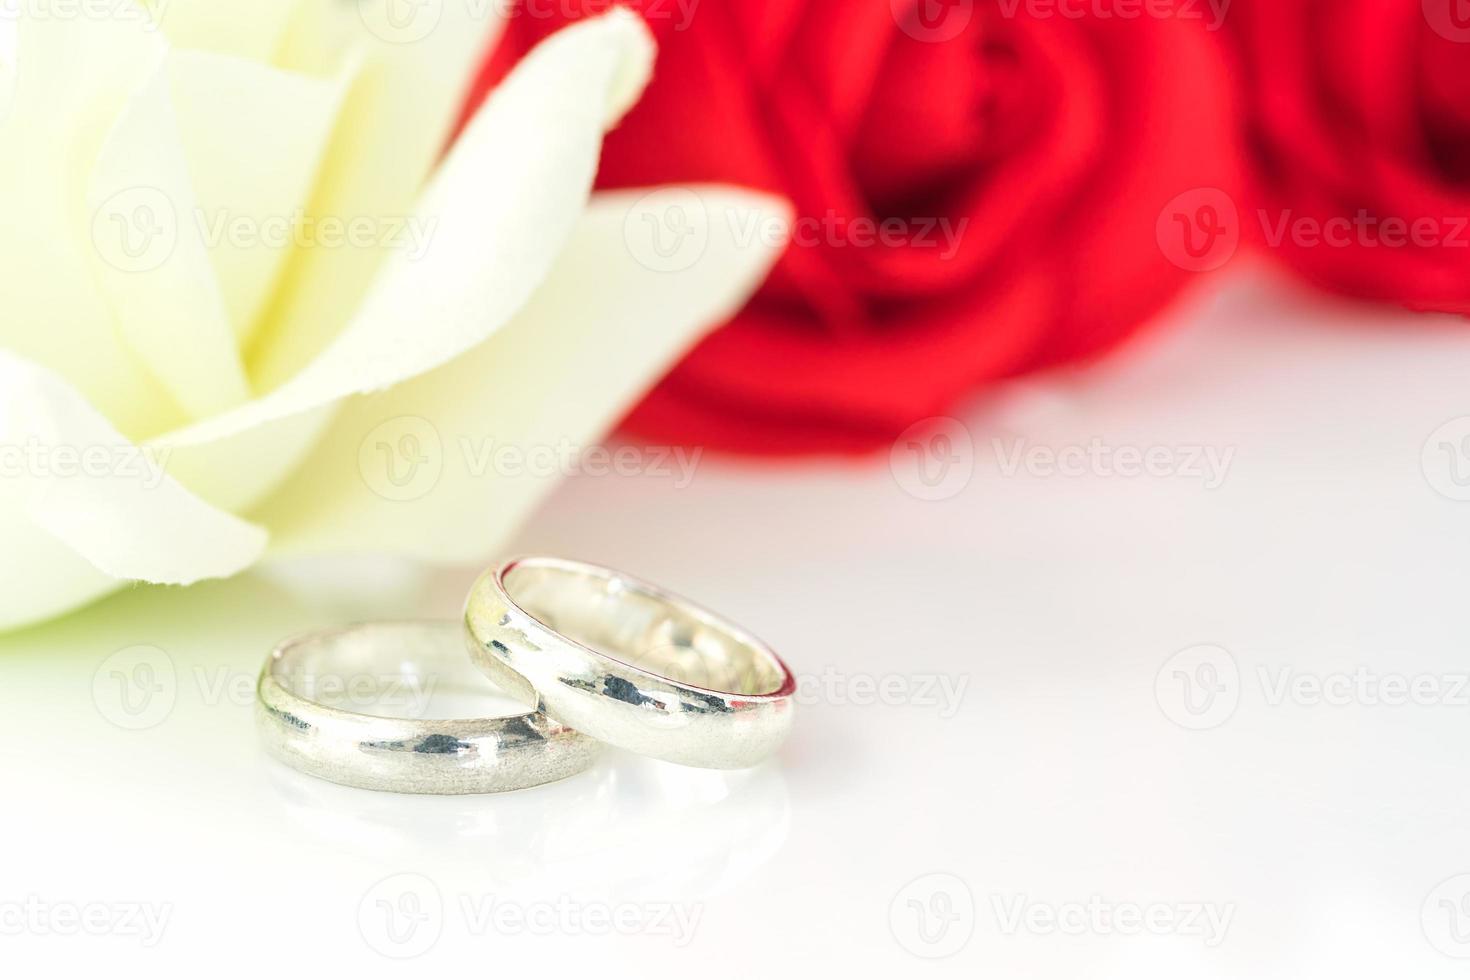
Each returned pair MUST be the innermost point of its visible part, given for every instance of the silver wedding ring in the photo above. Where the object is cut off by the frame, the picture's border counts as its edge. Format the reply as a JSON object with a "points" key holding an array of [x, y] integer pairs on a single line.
{"points": [[395, 667], [589, 655], [629, 663]]}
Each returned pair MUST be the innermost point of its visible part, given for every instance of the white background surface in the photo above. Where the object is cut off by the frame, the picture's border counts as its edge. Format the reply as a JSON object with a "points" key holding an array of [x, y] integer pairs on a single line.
{"points": [[1318, 833]]}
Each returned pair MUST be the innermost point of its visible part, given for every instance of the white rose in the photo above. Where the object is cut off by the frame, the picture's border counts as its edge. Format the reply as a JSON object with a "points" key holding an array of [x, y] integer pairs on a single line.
{"points": [[247, 310]]}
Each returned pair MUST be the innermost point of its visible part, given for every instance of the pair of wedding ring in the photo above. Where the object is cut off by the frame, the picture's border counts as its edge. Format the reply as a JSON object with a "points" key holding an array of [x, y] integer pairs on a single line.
{"points": [[597, 657]]}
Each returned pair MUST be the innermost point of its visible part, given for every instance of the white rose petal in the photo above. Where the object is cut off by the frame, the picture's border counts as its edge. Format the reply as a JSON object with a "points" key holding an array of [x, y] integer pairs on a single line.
{"points": [[500, 209], [105, 511], [599, 331], [254, 137], [151, 261], [271, 378], [252, 29], [388, 138], [73, 78]]}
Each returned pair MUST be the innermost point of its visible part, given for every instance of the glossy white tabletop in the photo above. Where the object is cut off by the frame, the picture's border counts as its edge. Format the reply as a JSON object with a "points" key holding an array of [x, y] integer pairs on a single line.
{"points": [[1205, 720]]}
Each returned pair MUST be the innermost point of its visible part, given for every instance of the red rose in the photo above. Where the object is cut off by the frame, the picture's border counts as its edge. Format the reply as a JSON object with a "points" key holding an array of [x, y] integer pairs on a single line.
{"points": [[979, 184], [1360, 125]]}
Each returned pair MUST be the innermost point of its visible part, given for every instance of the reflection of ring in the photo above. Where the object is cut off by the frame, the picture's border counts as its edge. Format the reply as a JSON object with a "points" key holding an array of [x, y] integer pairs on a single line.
{"points": [[405, 755], [630, 664]]}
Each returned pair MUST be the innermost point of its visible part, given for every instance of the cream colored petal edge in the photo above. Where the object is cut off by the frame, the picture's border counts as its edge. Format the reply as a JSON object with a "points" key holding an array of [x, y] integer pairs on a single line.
{"points": [[397, 118], [497, 214], [73, 78], [57, 580], [151, 259], [254, 136], [245, 28], [238, 472], [74, 477], [415, 470]]}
